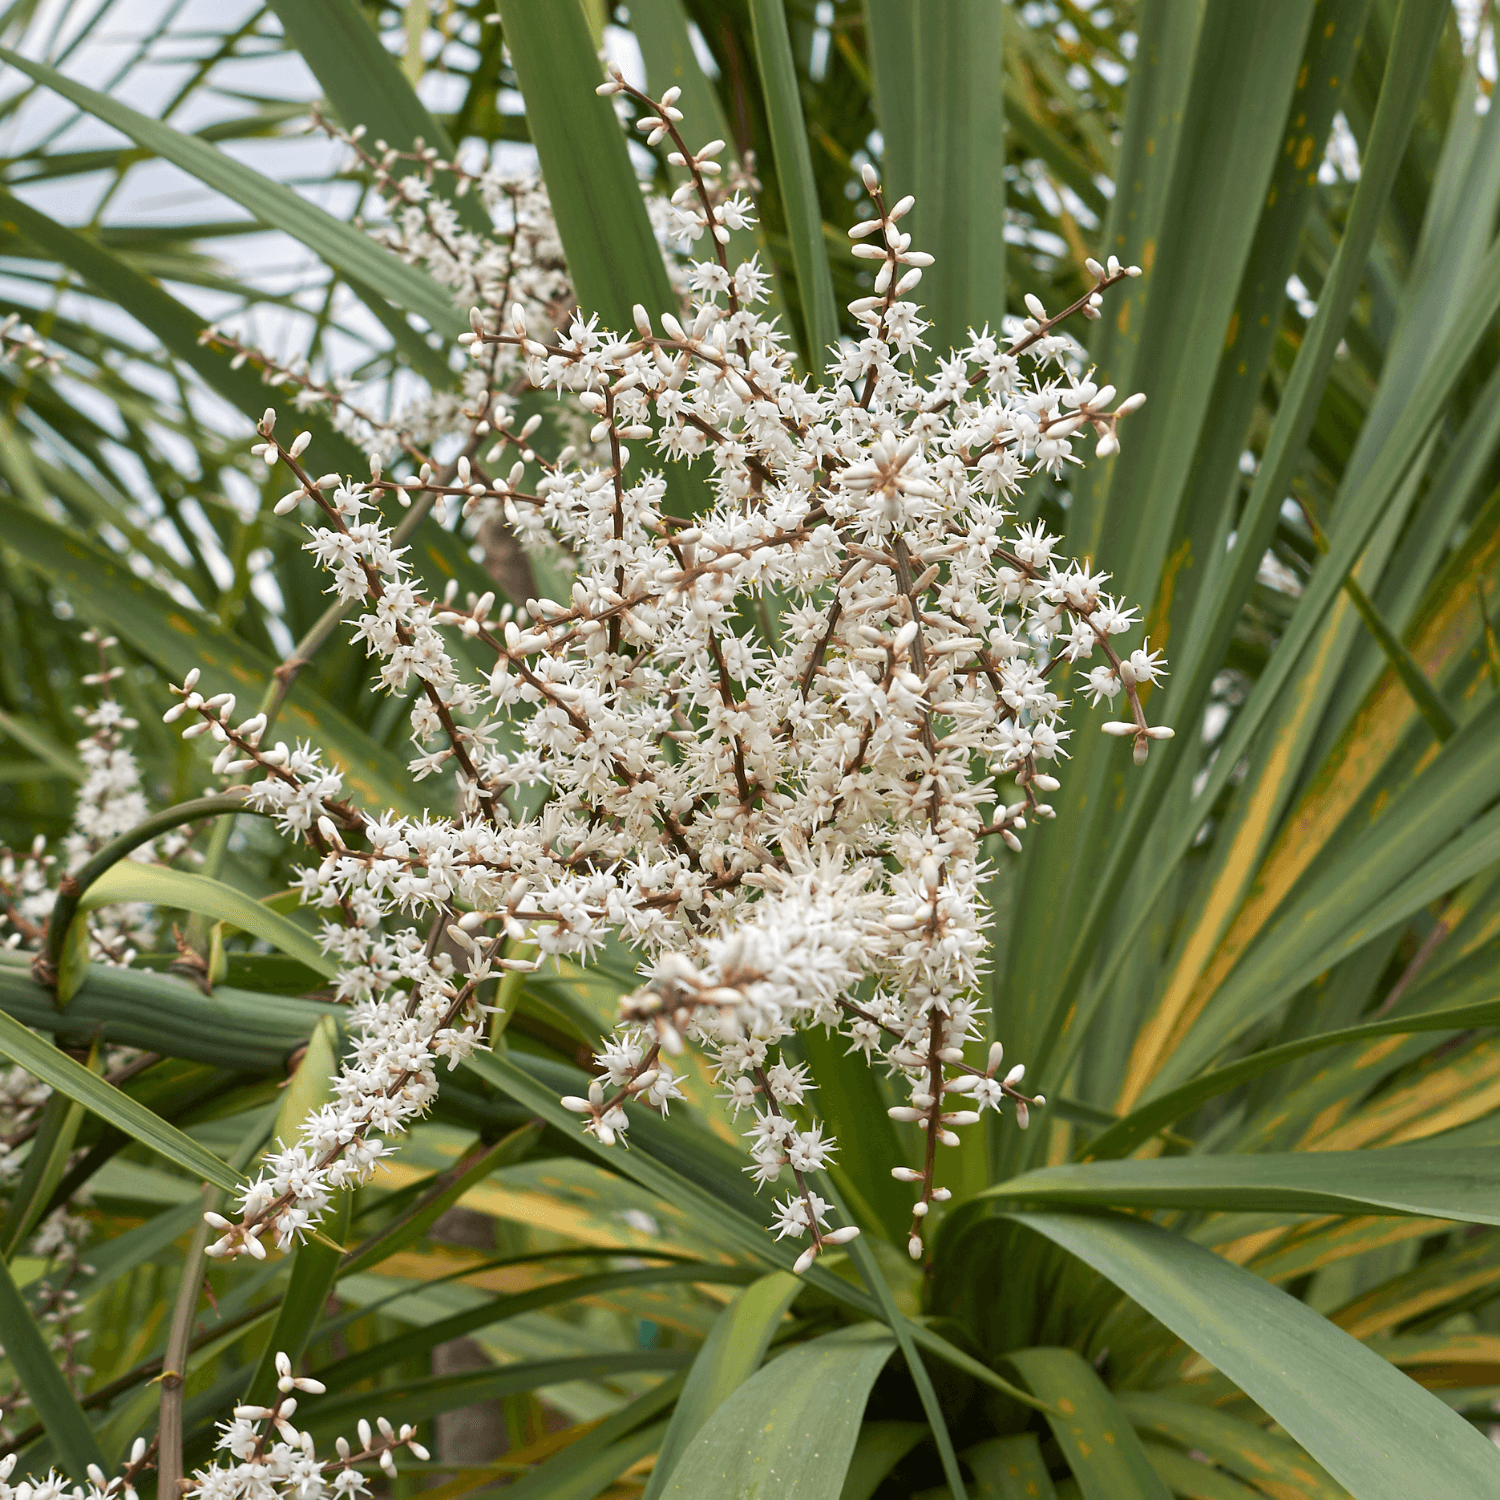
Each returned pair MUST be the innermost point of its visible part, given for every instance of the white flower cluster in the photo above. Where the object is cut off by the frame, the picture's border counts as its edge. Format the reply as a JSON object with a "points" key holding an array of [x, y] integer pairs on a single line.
{"points": [[269, 1459], [518, 263], [771, 737], [110, 802]]}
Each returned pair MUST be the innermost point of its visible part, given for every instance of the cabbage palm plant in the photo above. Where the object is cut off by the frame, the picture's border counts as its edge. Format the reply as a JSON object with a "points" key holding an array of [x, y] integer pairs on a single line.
{"points": [[1247, 1246]]}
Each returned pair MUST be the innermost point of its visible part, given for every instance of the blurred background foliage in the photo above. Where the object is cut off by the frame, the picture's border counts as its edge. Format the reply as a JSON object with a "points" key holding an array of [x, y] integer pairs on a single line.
{"points": [[1308, 508]]}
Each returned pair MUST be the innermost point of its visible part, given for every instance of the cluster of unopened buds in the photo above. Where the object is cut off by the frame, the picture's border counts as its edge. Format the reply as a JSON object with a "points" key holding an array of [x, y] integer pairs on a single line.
{"points": [[769, 738]]}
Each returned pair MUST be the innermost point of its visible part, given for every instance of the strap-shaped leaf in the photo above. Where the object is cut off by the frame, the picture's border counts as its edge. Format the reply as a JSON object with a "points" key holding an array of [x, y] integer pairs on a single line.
{"points": [[1011, 1468], [73, 1439], [1462, 1185], [338, 243], [661, 28], [1184, 1475], [1417, 30], [586, 1467], [160, 885], [891, 43], [441, 1195], [110, 1104], [794, 1422], [47, 1161], [416, 1400], [102, 587], [730, 1355], [881, 1446], [613, 257], [1239, 1446], [369, 1363], [1096, 1437], [1374, 1430], [799, 189], [1143, 1122], [231, 1028], [716, 1207], [1233, 127], [177, 327], [367, 86], [1424, 843], [960, 137], [315, 1263]]}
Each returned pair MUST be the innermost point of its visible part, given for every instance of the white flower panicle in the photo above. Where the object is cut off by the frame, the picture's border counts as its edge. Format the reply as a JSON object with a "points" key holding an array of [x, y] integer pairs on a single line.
{"points": [[269, 1458], [110, 801], [771, 737]]}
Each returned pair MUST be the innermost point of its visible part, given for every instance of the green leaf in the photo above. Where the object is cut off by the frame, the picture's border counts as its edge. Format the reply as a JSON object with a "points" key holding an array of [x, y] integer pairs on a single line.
{"points": [[1198, 555], [42, 744], [891, 42], [110, 1104], [367, 86], [849, 1098], [45, 1165], [447, 1190], [613, 257], [661, 28], [368, 1363], [72, 1438], [250, 1033], [1374, 1430], [339, 244], [1462, 1185], [102, 587], [881, 1446], [794, 1423], [417, 1400], [799, 188], [730, 1355], [1426, 842], [1243, 76], [176, 326], [960, 137], [1196, 1481], [1009, 1468], [585, 1468], [315, 1264], [654, 1145], [1097, 1440], [601, 1455], [1155, 1114], [159, 885], [864, 1261], [1361, 512], [1265, 1458]]}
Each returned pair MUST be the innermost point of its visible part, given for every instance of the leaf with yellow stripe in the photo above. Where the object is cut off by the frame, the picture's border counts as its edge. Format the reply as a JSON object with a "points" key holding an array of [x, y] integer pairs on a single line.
{"points": [[1274, 1464], [1434, 1283]]}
